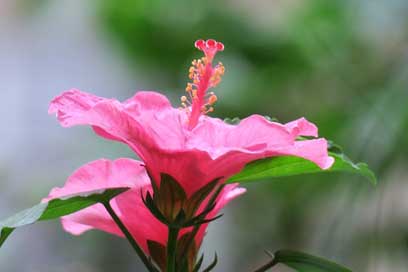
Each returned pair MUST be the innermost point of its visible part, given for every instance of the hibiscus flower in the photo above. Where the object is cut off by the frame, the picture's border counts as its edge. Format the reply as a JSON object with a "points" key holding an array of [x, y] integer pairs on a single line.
{"points": [[184, 142], [184, 152]]}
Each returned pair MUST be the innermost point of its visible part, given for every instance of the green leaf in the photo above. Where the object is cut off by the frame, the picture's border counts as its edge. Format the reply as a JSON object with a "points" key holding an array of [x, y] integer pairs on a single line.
{"points": [[303, 262], [236, 120], [55, 208], [233, 121], [290, 166]]}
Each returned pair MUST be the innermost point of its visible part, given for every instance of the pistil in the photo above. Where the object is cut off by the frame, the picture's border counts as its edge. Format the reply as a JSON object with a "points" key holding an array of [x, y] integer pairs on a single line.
{"points": [[204, 76]]}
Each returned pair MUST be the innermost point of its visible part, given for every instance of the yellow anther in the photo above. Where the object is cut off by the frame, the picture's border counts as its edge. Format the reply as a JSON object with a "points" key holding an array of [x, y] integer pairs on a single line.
{"points": [[215, 80], [220, 69], [183, 98], [194, 94], [189, 87], [213, 98]]}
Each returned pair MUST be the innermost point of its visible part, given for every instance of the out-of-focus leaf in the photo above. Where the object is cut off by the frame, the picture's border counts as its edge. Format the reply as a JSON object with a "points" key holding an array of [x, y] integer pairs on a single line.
{"points": [[232, 121], [290, 166], [55, 208], [303, 262]]}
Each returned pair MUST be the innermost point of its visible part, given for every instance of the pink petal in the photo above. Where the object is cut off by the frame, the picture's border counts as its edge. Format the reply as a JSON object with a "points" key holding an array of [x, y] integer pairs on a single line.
{"points": [[72, 104], [313, 150], [103, 174], [232, 147], [139, 220], [213, 149], [94, 217], [189, 168], [302, 127], [146, 120], [229, 193], [160, 122], [147, 101], [252, 133]]}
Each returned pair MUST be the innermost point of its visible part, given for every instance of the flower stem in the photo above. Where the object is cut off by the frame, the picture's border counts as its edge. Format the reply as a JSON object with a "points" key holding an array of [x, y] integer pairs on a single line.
{"points": [[172, 248], [266, 266], [130, 238]]}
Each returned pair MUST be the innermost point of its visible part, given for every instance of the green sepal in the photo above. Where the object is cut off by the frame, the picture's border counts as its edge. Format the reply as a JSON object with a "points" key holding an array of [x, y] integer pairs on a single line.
{"points": [[170, 197], [151, 205], [198, 197], [172, 207], [197, 221]]}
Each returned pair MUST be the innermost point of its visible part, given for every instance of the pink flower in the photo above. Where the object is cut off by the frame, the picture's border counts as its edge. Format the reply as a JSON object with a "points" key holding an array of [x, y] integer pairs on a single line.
{"points": [[184, 142], [105, 174]]}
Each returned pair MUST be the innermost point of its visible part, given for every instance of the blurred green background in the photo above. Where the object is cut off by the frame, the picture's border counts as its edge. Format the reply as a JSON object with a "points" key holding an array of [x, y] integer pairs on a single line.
{"points": [[342, 64]]}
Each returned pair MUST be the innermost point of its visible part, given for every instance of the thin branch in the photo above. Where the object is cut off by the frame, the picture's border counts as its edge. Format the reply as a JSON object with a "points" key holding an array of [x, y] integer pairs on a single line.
{"points": [[268, 265], [130, 238]]}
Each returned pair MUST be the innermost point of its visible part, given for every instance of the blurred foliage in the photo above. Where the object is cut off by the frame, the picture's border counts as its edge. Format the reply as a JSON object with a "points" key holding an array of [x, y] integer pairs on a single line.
{"points": [[318, 62], [311, 64]]}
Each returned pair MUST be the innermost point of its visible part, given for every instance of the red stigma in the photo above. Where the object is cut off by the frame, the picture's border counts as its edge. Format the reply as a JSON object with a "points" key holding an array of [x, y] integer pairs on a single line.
{"points": [[210, 47]]}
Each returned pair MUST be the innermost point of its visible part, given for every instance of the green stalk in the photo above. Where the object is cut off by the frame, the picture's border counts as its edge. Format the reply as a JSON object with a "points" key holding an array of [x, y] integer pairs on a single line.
{"points": [[265, 267], [268, 265], [172, 248], [130, 238]]}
